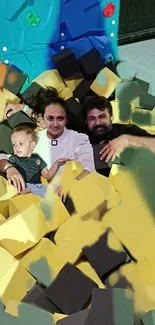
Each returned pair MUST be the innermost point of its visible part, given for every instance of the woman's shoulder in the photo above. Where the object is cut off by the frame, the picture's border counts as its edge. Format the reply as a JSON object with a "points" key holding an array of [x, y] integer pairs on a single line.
{"points": [[42, 134], [77, 135], [77, 139]]}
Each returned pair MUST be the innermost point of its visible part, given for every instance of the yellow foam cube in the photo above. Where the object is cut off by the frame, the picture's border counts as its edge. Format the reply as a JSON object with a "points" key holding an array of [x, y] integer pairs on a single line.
{"points": [[85, 267], [145, 249], [54, 210], [116, 112], [2, 219], [141, 116], [23, 230], [58, 317], [50, 78], [44, 261], [76, 233], [105, 83], [73, 83], [131, 220], [21, 202], [66, 93], [71, 170], [15, 281], [90, 193], [44, 181], [28, 312], [141, 279], [6, 193], [5, 98], [2, 187], [4, 208], [150, 129], [116, 169]]}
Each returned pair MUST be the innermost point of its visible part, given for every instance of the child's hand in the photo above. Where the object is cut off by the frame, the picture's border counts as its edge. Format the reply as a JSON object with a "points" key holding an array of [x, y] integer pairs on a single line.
{"points": [[26, 191], [60, 162]]}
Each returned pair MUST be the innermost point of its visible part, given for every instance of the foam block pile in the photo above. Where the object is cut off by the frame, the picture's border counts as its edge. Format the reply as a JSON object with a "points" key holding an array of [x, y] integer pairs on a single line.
{"points": [[88, 266], [92, 259], [76, 79]]}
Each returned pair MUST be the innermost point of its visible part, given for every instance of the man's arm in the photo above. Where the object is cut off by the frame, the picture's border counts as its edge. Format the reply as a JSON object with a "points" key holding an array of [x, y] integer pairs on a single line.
{"points": [[136, 141], [11, 109], [13, 176], [3, 163], [114, 147]]}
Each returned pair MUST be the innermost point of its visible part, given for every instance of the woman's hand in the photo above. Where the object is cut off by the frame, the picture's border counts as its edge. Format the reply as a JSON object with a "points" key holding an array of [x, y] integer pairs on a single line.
{"points": [[14, 178], [60, 192], [11, 109]]}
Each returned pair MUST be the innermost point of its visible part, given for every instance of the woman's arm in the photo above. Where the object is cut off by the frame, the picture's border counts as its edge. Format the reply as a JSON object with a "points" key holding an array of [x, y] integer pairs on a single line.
{"points": [[83, 174], [84, 154], [14, 108]]}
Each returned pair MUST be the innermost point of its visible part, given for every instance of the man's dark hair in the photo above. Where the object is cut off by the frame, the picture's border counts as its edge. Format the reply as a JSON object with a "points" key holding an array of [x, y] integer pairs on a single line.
{"points": [[53, 100], [98, 102]]}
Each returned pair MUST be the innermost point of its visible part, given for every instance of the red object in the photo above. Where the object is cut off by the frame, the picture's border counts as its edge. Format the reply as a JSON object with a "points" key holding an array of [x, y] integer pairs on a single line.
{"points": [[109, 10]]}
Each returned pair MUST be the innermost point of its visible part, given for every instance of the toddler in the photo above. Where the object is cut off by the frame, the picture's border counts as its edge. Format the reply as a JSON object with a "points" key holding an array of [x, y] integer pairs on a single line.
{"points": [[31, 166]]}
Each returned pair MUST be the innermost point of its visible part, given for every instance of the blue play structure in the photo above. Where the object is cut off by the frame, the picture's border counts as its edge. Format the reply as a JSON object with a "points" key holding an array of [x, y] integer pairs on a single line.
{"points": [[31, 31]]}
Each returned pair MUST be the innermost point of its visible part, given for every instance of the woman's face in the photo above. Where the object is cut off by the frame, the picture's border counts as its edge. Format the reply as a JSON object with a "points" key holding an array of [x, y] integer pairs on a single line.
{"points": [[55, 120]]}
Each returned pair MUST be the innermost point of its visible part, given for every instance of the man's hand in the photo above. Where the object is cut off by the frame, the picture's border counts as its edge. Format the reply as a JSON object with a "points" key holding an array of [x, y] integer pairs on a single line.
{"points": [[14, 178], [11, 109], [112, 148]]}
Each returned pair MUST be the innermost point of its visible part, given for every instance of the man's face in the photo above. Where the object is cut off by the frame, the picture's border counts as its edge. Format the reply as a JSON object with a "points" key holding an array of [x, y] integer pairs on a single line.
{"points": [[99, 122]]}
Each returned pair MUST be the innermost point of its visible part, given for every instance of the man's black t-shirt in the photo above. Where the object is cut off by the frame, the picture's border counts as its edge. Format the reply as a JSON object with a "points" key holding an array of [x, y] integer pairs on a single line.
{"points": [[116, 131], [29, 167], [130, 129]]}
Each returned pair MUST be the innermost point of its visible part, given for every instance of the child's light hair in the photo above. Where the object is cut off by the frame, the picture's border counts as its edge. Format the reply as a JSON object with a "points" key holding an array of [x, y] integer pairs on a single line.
{"points": [[27, 130]]}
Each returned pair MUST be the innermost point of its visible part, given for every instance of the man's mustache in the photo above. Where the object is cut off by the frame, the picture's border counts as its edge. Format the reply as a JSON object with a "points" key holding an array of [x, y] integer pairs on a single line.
{"points": [[99, 127]]}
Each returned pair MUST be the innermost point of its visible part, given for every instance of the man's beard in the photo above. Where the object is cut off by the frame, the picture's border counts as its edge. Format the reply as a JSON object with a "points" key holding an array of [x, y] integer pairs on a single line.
{"points": [[99, 133]]}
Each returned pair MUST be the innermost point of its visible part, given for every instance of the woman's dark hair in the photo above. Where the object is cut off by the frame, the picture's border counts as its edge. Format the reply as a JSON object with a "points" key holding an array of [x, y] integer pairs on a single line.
{"points": [[53, 100], [98, 102], [36, 101]]}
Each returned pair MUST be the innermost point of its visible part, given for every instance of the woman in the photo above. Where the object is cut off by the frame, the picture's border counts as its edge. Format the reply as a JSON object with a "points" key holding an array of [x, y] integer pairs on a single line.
{"points": [[55, 142], [31, 107]]}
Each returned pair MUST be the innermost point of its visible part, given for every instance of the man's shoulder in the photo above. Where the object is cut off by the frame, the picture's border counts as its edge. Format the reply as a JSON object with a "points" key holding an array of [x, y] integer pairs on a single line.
{"points": [[122, 127], [130, 129]]}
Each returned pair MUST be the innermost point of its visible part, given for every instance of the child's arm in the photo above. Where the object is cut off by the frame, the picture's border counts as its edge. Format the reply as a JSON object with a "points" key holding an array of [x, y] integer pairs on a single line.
{"points": [[49, 174]]}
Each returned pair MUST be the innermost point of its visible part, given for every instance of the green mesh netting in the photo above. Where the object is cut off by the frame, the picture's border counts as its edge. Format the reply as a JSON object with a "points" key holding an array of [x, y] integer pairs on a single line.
{"points": [[137, 20]]}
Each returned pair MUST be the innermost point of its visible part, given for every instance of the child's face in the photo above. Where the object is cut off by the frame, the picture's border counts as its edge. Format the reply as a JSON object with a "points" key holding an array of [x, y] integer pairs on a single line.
{"points": [[22, 144]]}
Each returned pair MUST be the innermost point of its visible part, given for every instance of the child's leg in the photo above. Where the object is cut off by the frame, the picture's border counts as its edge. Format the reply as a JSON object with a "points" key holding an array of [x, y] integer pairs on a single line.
{"points": [[37, 189]]}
